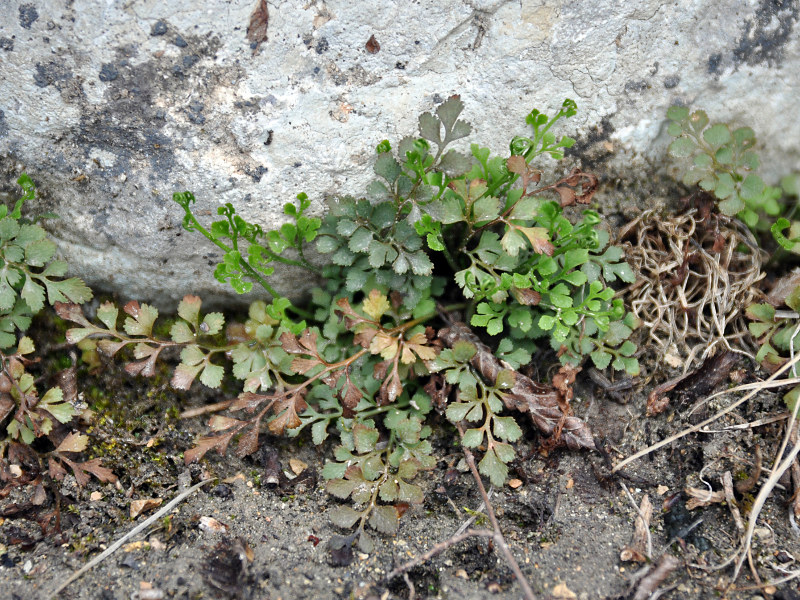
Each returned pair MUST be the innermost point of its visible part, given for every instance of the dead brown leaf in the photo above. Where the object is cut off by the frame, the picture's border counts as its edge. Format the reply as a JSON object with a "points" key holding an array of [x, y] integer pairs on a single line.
{"points": [[542, 402], [259, 21], [144, 504]]}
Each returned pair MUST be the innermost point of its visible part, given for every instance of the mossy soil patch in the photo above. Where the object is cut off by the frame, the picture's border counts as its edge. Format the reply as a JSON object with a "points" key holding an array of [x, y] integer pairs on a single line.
{"points": [[566, 523]]}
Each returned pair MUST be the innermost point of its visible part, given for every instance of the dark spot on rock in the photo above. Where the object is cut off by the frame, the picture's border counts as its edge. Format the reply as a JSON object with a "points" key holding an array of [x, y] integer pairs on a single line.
{"points": [[437, 99], [190, 61], [297, 164], [316, 70], [177, 71], [51, 73], [268, 141], [635, 86], [159, 28], [671, 81], [322, 46], [308, 39], [108, 72], [257, 173], [27, 15], [714, 61], [6, 44], [767, 33], [400, 65], [592, 148], [6, 561], [179, 42], [195, 113], [3, 124]]}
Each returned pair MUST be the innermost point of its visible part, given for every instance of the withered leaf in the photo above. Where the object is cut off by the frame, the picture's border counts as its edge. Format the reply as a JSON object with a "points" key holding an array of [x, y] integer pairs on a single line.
{"points": [[74, 442], [204, 444], [372, 45], [541, 401], [259, 21], [249, 401], [526, 296], [140, 506], [248, 442], [516, 164], [287, 410], [71, 312], [350, 395], [578, 186], [691, 386]]}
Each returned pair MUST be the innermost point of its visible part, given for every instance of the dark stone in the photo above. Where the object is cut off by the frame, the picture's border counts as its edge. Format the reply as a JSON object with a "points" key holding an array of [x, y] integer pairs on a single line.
{"points": [[671, 81], [179, 42], [108, 72], [159, 28], [27, 15], [762, 41], [222, 491], [3, 124], [590, 149], [6, 44], [322, 46], [190, 61], [400, 65]]}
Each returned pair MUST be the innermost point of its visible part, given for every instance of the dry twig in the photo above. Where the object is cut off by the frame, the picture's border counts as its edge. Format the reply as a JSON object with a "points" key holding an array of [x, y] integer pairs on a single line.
{"points": [[118, 544], [496, 535], [641, 547]]}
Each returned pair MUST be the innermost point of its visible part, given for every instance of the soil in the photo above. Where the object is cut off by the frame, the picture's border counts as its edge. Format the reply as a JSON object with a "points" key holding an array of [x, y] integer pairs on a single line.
{"points": [[566, 522]]}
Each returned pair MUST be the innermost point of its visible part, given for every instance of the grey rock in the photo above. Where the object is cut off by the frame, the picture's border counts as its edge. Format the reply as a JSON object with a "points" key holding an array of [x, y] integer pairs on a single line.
{"points": [[304, 110]]}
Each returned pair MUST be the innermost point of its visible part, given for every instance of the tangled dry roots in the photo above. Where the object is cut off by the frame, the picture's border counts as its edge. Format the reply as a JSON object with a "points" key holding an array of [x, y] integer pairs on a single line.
{"points": [[693, 282]]}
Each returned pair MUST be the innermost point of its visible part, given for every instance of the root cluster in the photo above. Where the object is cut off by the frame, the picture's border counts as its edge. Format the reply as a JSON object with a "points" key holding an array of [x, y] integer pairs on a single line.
{"points": [[694, 278]]}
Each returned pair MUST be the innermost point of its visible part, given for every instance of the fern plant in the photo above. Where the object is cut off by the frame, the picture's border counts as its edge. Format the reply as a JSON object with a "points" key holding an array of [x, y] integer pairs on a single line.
{"points": [[29, 278], [365, 359]]}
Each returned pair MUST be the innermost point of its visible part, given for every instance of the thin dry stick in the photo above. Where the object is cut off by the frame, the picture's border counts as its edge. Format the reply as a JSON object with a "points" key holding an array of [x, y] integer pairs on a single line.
{"points": [[642, 542], [116, 545], [713, 418], [778, 469], [438, 549], [499, 539], [207, 408], [727, 486]]}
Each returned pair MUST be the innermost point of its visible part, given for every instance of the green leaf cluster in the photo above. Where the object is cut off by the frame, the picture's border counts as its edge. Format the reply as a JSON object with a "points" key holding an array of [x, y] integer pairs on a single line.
{"points": [[778, 335], [29, 276], [722, 161], [250, 253]]}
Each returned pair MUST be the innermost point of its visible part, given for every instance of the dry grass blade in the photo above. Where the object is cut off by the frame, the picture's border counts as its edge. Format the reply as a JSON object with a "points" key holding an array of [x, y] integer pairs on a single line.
{"points": [[771, 381], [778, 469]]}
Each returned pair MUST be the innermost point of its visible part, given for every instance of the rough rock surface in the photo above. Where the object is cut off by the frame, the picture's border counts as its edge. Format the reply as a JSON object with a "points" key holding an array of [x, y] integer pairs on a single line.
{"points": [[113, 106]]}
